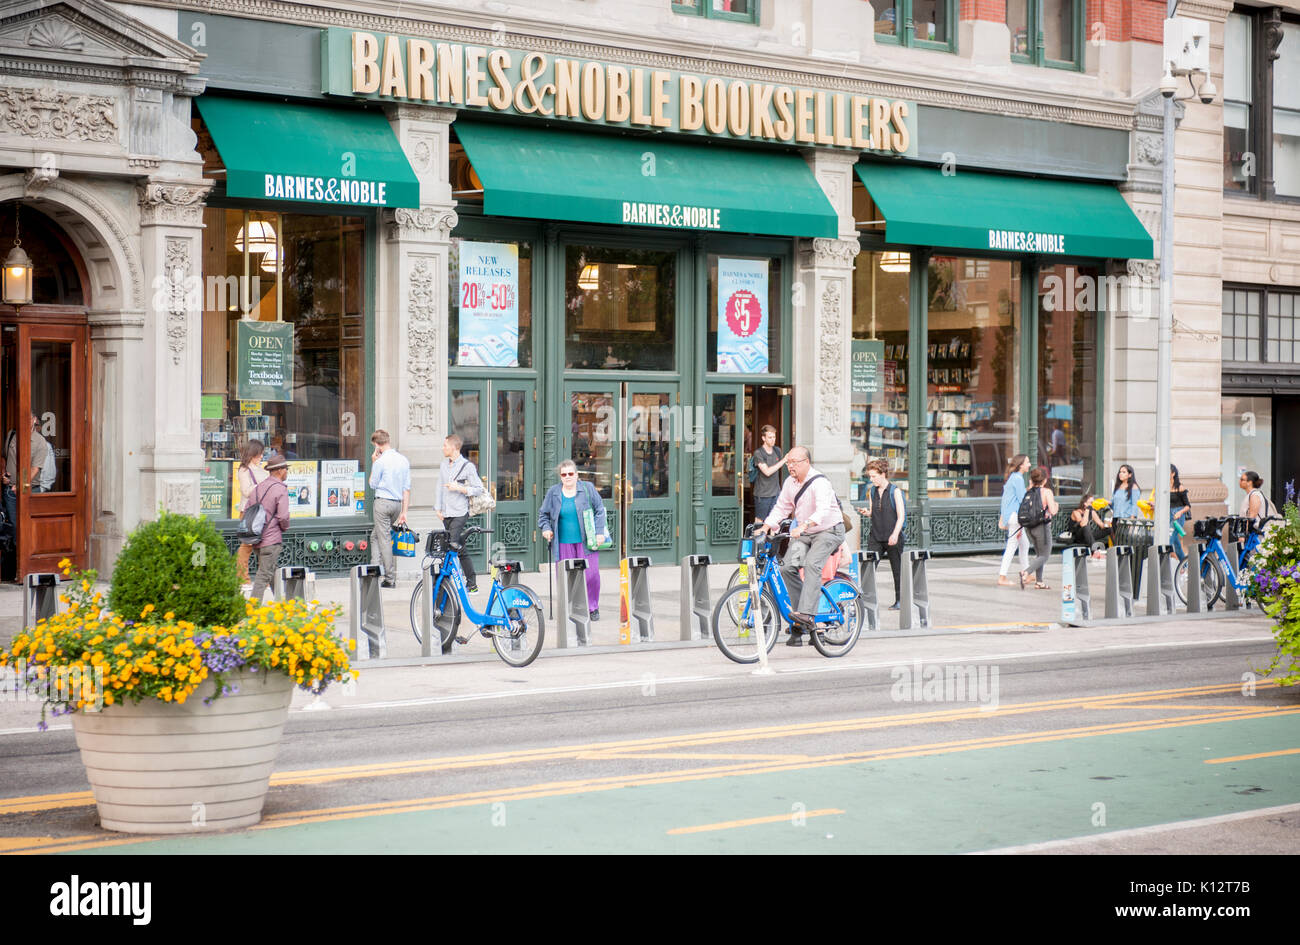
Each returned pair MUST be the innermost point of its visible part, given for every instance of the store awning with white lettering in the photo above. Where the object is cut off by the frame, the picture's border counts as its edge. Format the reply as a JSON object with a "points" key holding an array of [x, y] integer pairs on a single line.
{"points": [[924, 206], [309, 153], [552, 174]]}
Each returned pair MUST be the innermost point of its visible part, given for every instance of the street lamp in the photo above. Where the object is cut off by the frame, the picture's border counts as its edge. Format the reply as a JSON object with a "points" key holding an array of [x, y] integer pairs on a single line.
{"points": [[1186, 52], [17, 278]]}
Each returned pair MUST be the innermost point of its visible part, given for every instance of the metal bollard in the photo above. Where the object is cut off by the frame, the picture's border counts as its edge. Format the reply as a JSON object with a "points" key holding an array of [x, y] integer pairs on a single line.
{"points": [[867, 562], [1076, 596], [636, 619], [696, 611], [574, 626], [40, 597], [1160, 580], [914, 590], [366, 615], [1195, 604], [1119, 581], [437, 629], [290, 583]]}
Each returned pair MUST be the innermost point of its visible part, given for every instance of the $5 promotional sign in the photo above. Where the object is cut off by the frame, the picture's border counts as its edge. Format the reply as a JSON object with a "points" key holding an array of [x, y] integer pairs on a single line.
{"points": [[742, 325]]}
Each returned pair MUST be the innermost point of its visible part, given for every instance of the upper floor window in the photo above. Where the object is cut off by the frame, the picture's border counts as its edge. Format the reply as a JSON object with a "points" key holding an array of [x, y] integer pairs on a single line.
{"points": [[1261, 325], [931, 24], [1261, 104], [743, 11], [1046, 32]]}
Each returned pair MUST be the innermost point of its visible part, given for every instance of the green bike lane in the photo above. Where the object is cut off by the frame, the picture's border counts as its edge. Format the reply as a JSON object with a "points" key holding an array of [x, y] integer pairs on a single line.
{"points": [[946, 800]]}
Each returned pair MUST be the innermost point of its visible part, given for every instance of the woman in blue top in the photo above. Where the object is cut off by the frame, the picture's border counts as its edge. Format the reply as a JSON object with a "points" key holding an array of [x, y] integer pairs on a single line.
{"points": [[1013, 493], [1124, 502], [561, 512]]}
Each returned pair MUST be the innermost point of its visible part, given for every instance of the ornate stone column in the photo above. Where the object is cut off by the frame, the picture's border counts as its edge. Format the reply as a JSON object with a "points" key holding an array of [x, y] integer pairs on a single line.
{"points": [[161, 379], [411, 310]]}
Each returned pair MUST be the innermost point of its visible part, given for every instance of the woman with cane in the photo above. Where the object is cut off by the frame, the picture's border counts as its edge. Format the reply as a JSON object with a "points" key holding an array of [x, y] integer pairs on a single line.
{"points": [[573, 517]]}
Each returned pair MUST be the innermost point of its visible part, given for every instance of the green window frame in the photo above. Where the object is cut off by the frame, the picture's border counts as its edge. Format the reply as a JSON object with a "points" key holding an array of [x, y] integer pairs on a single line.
{"points": [[907, 35], [718, 9], [1035, 52]]}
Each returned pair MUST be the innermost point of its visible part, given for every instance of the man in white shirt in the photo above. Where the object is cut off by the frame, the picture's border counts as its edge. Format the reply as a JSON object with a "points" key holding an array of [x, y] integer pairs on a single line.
{"points": [[806, 496], [390, 477], [459, 481]]}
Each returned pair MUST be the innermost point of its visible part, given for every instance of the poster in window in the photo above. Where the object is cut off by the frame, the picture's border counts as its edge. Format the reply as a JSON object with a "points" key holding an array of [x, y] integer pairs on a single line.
{"points": [[742, 316], [337, 496], [489, 305], [303, 483], [264, 366], [213, 485]]}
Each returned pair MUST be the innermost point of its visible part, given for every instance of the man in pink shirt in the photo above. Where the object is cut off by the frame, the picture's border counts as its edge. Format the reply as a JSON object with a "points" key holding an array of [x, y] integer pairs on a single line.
{"points": [[273, 496], [806, 496]]}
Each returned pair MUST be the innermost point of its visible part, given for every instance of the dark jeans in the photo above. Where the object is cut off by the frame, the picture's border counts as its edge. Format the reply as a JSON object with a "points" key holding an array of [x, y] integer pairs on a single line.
{"points": [[895, 555], [455, 526], [1090, 534]]}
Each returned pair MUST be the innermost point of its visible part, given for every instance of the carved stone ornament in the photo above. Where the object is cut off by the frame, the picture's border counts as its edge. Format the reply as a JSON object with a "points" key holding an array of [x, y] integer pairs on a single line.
{"points": [[48, 113], [423, 156], [1150, 149], [39, 178], [427, 223], [421, 349], [830, 357], [179, 497], [828, 252], [171, 203], [57, 34], [176, 273], [1144, 271]]}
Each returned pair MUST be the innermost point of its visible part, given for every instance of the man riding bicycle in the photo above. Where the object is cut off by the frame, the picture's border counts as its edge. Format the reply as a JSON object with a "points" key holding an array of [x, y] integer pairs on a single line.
{"points": [[806, 496]]}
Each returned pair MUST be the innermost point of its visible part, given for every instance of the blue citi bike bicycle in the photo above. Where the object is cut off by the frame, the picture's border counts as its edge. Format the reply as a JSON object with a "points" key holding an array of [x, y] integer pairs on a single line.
{"points": [[837, 623], [1216, 571], [513, 617]]}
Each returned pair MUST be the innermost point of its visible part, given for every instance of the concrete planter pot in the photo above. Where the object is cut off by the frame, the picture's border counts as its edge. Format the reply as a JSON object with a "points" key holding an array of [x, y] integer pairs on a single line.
{"points": [[159, 767]]}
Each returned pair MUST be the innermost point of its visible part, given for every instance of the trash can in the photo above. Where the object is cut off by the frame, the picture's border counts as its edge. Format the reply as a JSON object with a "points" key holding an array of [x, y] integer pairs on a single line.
{"points": [[1139, 534]]}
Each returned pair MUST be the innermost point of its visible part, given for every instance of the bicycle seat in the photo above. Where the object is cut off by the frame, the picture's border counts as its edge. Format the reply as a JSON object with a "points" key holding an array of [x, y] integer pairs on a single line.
{"points": [[510, 567]]}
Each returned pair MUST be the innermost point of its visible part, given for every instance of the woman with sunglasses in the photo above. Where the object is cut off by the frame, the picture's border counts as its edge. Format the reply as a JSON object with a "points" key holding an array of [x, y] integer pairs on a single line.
{"points": [[561, 521]]}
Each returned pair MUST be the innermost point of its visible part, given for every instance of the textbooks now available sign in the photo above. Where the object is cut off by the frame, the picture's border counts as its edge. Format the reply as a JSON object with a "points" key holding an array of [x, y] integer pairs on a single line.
{"points": [[265, 361]]}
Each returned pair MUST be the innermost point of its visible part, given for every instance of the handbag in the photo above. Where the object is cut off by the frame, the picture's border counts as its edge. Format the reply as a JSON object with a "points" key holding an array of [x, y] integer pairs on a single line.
{"points": [[404, 542], [480, 503]]}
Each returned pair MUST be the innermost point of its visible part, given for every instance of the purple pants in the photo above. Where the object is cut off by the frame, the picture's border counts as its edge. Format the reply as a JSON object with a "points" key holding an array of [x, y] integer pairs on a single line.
{"points": [[593, 569]]}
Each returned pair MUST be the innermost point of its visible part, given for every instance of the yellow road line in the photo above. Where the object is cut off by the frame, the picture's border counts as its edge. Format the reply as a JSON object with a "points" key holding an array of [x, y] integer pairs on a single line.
{"points": [[774, 819], [1262, 754]]}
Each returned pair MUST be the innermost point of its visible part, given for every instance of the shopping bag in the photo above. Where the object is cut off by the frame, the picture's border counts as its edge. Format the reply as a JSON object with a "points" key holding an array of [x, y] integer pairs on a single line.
{"points": [[404, 542], [594, 542]]}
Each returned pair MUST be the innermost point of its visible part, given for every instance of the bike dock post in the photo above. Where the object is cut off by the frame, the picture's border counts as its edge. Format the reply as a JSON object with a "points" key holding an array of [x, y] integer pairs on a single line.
{"points": [[573, 627], [640, 620], [290, 583], [366, 615], [696, 612], [1119, 581], [429, 627], [914, 590], [867, 562], [1231, 597], [1160, 580], [40, 597], [1194, 559], [1076, 597]]}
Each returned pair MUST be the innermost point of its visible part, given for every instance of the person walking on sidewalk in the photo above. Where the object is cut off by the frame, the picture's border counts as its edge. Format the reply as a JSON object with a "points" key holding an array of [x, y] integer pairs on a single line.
{"points": [[250, 475], [1036, 512], [273, 496], [564, 511], [1013, 493], [390, 477], [767, 464], [458, 480], [887, 517], [819, 530]]}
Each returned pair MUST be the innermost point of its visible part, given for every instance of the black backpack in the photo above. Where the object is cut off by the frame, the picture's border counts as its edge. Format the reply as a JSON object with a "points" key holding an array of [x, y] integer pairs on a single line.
{"points": [[1032, 514]]}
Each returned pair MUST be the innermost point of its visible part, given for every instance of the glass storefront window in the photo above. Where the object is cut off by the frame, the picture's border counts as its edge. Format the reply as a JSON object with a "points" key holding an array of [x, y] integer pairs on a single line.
{"points": [[746, 349], [491, 309], [306, 271], [1247, 431], [511, 438], [972, 382], [723, 466], [879, 418], [620, 309], [1067, 378]]}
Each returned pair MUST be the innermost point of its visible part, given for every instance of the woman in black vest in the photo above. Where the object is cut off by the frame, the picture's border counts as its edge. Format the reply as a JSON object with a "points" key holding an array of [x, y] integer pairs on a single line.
{"points": [[884, 508]]}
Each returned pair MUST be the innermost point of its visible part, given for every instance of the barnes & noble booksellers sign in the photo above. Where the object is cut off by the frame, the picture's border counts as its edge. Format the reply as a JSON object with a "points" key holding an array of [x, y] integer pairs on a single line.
{"points": [[404, 68]]}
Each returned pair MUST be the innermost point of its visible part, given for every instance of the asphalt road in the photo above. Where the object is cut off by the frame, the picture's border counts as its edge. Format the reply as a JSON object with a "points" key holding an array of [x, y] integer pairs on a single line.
{"points": [[1168, 746]]}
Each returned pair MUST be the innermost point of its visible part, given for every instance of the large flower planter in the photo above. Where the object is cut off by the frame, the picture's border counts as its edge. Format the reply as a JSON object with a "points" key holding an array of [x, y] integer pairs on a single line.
{"points": [[159, 767]]}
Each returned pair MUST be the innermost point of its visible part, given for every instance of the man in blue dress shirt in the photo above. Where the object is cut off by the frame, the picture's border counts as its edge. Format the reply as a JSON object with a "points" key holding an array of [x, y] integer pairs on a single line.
{"points": [[390, 477]]}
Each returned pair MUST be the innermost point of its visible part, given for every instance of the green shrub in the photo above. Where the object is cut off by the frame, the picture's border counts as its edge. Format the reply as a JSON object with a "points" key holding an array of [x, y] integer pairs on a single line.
{"points": [[179, 564]]}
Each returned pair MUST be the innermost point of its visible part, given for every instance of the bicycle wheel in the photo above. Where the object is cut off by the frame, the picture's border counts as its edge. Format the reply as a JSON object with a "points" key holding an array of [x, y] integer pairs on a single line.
{"points": [[737, 580], [839, 596], [520, 643], [738, 638], [1217, 578], [446, 614], [1211, 581]]}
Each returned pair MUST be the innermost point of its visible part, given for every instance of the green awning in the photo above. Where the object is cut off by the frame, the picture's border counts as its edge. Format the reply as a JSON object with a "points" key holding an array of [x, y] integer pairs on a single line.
{"points": [[922, 206], [309, 154], [552, 174]]}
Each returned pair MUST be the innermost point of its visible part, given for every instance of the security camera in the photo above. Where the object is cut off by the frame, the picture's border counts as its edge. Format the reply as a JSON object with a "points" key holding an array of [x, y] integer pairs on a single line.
{"points": [[1168, 85], [1208, 91]]}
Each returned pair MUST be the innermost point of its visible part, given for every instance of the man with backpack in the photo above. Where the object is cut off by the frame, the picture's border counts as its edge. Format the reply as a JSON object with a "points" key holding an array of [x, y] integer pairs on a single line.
{"points": [[265, 518], [885, 511]]}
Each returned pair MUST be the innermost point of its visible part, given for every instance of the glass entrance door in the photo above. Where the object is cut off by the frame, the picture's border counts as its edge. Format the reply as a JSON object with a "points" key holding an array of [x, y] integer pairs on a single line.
{"points": [[727, 483], [625, 439], [496, 420]]}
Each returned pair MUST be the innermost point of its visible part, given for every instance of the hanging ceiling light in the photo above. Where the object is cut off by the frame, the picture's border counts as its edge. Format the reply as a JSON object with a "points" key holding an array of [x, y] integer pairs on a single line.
{"points": [[895, 262], [17, 271], [260, 237], [589, 278], [270, 259]]}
